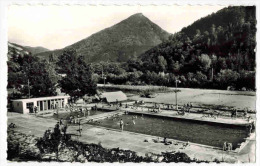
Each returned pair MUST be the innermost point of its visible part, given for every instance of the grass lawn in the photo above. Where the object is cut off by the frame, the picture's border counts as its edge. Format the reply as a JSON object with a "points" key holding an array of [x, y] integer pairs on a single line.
{"points": [[205, 97]]}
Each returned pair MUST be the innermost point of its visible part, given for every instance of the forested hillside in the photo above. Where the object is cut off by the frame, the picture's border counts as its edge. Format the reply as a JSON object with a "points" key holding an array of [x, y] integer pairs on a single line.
{"points": [[217, 51]]}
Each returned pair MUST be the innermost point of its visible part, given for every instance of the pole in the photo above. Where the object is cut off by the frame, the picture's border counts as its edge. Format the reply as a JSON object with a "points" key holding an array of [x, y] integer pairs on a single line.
{"points": [[176, 96], [212, 74], [103, 75], [29, 88]]}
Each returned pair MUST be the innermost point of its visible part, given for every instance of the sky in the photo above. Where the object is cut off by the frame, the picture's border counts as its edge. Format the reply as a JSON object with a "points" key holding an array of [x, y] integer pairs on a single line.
{"points": [[58, 26]]}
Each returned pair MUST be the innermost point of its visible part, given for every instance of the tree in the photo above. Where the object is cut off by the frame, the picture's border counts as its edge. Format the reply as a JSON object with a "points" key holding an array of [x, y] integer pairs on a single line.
{"points": [[51, 70], [176, 67], [15, 75], [67, 61], [162, 63], [78, 80], [53, 141], [197, 36], [40, 81], [134, 77], [226, 78], [201, 78], [205, 62]]}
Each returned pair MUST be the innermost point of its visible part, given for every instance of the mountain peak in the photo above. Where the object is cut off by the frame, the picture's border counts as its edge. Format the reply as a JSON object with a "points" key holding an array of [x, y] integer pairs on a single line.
{"points": [[132, 36], [139, 15]]}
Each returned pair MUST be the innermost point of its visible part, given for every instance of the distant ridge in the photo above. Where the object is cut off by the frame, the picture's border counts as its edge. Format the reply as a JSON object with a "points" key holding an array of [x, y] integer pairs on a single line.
{"points": [[36, 50], [28, 49]]}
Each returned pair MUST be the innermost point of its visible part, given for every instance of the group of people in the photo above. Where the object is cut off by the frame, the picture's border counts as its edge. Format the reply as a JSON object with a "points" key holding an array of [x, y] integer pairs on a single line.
{"points": [[155, 110], [134, 117], [74, 119], [56, 105], [181, 112], [60, 127], [227, 146], [82, 110], [234, 114], [117, 104], [187, 107]]}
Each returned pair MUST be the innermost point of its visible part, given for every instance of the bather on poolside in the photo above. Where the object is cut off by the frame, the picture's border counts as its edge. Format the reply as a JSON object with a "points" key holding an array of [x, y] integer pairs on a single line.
{"points": [[229, 146], [225, 146], [122, 124]]}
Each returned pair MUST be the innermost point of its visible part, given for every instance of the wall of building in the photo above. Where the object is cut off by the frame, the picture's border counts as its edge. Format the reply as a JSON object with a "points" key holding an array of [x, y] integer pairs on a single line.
{"points": [[21, 106], [18, 106], [25, 110]]}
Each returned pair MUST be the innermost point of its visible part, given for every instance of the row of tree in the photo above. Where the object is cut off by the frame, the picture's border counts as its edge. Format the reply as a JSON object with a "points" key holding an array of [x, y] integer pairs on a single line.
{"points": [[33, 77]]}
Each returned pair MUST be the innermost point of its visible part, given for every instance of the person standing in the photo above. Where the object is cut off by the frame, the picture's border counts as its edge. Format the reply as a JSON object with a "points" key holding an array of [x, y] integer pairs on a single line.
{"points": [[250, 129], [225, 146], [61, 121], [71, 119], [35, 109], [80, 129], [88, 112], [121, 124], [78, 119], [133, 120], [84, 111]]}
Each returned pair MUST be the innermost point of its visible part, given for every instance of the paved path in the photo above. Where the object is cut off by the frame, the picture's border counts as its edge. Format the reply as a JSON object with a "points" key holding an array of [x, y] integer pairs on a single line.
{"points": [[110, 138]]}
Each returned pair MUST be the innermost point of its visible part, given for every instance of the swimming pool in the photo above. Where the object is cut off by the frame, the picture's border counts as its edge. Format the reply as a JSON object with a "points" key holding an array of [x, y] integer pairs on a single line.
{"points": [[66, 115], [201, 133]]}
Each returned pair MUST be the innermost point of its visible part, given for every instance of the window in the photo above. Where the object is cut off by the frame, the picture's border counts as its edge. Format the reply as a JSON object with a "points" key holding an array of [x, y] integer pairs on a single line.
{"points": [[29, 105]]}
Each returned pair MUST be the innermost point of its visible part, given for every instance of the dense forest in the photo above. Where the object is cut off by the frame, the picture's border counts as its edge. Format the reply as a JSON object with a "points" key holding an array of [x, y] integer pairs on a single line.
{"points": [[217, 51]]}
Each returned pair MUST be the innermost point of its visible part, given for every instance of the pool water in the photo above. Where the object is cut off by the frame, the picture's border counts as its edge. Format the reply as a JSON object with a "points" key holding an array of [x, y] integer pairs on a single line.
{"points": [[201, 133], [66, 115]]}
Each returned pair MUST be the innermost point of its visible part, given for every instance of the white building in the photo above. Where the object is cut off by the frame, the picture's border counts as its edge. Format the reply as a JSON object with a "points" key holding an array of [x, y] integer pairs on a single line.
{"points": [[42, 103], [112, 97]]}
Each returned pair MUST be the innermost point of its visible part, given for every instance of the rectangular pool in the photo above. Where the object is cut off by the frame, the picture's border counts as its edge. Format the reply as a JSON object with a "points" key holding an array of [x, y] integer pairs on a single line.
{"points": [[201, 133]]}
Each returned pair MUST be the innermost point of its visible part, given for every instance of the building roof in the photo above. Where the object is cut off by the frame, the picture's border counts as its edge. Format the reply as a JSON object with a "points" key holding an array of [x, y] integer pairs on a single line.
{"points": [[114, 96], [42, 98]]}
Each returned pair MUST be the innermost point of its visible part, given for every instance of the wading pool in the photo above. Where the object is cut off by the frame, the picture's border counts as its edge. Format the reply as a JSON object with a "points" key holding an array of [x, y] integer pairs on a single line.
{"points": [[201, 133]]}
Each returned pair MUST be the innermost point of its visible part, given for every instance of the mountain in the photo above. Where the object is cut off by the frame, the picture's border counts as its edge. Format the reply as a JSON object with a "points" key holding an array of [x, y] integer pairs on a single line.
{"points": [[36, 50], [16, 49], [229, 34], [229, 16], [217, 51], [128, 38]]}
